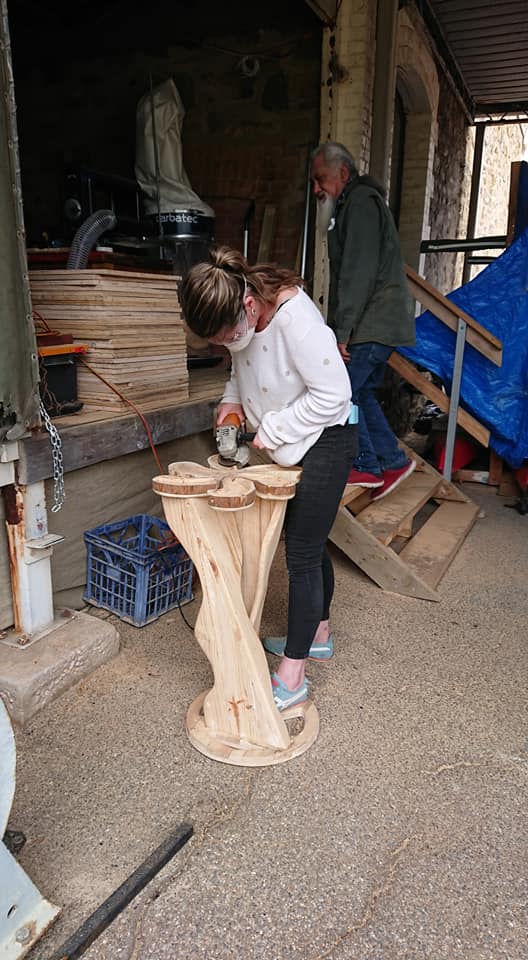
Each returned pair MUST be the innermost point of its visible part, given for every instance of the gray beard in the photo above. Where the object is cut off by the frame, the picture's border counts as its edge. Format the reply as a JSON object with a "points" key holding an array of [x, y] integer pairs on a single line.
{"points": [[325, 214]]}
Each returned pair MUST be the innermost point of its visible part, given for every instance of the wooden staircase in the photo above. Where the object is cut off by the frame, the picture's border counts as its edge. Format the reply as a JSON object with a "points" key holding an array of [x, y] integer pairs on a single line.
{"points": [[407, 541]]}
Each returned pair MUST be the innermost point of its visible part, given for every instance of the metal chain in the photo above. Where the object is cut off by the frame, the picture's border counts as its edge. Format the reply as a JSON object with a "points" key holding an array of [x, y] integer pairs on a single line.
{"points": [[59, 493]]}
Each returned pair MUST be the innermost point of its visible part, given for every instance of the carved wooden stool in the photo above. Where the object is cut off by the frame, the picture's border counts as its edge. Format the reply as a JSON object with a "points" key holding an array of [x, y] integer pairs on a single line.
{"points": [[229, 522]]}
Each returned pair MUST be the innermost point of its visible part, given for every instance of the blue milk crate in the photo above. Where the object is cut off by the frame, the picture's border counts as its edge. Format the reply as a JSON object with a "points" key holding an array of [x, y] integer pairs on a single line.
{"points": [[136, 570]]}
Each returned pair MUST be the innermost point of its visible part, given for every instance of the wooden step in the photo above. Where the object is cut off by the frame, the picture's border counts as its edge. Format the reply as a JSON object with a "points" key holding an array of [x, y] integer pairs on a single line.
{"points": [[364, 530], [352, 492], [434, 546], [383, 519], [379, 562]]}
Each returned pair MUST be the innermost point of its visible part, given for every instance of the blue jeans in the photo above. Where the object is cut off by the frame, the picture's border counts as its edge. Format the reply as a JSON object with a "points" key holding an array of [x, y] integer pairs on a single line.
{"points": [[378, 446]]}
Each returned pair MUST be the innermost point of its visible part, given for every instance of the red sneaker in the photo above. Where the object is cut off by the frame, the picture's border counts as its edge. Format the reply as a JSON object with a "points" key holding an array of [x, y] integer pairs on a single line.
{"points": [[392, 479], [358, 479]]}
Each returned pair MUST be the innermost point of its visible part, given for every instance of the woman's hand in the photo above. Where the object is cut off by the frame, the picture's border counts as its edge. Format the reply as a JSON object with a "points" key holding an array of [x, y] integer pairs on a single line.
{"points": [[224, 409]]}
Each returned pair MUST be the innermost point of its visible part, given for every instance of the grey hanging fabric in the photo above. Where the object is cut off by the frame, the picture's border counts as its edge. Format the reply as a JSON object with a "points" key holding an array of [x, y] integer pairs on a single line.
{"points": [[159, 119]]}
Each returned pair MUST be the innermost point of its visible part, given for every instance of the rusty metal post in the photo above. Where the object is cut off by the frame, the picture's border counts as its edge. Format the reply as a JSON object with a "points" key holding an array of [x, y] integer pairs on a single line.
{"points": [[30, 548]]}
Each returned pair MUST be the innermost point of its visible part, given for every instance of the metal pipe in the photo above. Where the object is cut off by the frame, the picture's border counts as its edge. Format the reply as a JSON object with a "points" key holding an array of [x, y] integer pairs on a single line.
{"points": [[250, 212], [307, 198], [459, 245], [480, 260], [101, 918], [474, 194], [454, 398]]}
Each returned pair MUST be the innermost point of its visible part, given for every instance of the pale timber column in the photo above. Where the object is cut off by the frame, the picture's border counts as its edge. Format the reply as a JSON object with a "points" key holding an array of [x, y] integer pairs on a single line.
{"points": [[347, 82], [384, 90]]}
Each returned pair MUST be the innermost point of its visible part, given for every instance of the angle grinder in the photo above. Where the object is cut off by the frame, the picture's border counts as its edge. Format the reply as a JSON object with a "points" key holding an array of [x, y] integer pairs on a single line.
{"points": [[231, 442]]}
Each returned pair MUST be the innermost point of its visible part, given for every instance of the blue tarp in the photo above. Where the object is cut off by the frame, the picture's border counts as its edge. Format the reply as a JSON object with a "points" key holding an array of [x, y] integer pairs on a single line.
{"points": [[496, 396]]}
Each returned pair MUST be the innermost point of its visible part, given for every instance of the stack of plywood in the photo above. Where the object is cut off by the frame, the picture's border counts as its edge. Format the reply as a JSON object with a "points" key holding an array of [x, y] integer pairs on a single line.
{"points": [[133, 327]]}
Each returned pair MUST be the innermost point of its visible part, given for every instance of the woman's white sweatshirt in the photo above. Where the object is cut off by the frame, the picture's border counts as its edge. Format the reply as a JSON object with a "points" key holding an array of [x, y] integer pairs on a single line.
{"points": [[291, 381]]}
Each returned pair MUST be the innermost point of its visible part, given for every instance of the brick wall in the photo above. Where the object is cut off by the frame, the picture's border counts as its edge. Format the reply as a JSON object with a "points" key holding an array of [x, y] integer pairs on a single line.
{"points": [[347, 84], [243, 137], [348, 78], [503, 145], [417, 84], [452, 180]]}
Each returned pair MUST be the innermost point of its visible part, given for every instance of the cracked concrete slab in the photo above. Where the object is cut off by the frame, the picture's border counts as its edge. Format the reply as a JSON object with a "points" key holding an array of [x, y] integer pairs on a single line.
{"points": [[400, 835]]}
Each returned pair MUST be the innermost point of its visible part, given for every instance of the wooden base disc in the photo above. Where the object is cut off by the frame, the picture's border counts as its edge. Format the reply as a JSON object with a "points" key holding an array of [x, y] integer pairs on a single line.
{"points": [[246, 754]]}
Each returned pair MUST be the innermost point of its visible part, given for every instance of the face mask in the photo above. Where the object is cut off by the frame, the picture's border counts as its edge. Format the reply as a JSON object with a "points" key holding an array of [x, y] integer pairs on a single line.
{"points": [[241, 344]]}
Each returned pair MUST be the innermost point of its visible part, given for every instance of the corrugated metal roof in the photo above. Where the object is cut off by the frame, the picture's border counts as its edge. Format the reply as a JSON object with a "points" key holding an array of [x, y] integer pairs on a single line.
{"points": [[488, 41]]}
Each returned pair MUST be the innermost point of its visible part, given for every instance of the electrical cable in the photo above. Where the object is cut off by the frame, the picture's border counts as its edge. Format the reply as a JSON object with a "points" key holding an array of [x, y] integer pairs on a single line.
{"points": [[258, 53], [122, 397], [152, 447], [131, 404]]}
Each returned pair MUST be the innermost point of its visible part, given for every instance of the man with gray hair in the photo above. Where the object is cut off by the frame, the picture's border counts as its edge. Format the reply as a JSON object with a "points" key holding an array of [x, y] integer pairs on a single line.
{"points": [[369, 307]]}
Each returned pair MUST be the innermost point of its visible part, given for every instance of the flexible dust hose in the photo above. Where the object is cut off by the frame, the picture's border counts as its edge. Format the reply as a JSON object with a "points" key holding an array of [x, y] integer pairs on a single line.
{"points": [[87, 236]]}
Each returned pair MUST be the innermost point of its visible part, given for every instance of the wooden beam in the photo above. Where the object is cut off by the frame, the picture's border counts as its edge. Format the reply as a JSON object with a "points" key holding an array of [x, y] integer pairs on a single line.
{"points": [[432, 549], [515, 173], [433, 393], [326, 10], [379, 562], [448, 313], [383, 518], [267, 234], [446, 489], [94, 442]]}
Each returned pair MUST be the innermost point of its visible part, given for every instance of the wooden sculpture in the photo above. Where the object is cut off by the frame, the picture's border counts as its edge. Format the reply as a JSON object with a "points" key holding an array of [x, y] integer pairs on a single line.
{"points": [[229, 521]]}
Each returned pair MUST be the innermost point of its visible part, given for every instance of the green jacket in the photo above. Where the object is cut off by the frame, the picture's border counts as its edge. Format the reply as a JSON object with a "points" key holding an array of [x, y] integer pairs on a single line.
{"points": [[369, 298]]}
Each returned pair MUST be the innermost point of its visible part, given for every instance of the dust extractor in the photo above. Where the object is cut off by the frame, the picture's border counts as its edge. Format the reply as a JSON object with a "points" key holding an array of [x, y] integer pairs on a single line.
{"points": [[185, 222]]}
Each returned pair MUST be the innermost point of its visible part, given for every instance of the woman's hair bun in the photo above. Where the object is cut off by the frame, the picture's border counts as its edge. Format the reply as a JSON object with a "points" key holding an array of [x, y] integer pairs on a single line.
{"points": [[229, 260]]}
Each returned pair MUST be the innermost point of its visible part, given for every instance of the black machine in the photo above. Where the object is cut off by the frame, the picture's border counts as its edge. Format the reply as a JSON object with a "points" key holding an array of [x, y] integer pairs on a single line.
{"points": [[182, 237]]}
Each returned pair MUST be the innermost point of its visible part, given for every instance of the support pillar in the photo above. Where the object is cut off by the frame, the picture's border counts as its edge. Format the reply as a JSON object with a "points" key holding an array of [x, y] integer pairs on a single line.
{"points": [[30, 549], [384, 90]]}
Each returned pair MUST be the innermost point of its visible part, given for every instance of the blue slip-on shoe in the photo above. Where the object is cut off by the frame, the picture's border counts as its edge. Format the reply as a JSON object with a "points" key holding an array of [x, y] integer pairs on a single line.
{"points": [[284, 697], [318, 651]]}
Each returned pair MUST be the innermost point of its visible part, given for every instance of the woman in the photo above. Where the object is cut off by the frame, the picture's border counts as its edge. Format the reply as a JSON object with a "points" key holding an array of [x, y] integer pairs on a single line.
{"points": [[289, 383]]}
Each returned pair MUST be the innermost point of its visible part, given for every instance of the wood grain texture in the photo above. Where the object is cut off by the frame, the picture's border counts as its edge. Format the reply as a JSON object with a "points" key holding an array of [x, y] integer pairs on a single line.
{"points": [[383, 518], [448, 312], [379, 562], [116, 312], [432, 549], [237, 720], [365, 530]]}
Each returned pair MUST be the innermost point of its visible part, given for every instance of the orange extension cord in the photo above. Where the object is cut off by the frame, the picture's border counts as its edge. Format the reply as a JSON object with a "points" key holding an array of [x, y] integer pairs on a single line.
{"points": [[38, 316], [131, 404]]}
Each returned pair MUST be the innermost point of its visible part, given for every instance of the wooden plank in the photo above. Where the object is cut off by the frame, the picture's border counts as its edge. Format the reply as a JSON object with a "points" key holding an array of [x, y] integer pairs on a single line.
{"points": [[515, 172], [379, 562], [432, 549], [359, 503], [383, 518], [448, 312], [105, 439], [267, 233], [87, 440], [446, 490], [351, 493], [93, 278], [433, 393], [496, 467], [472, 476]]}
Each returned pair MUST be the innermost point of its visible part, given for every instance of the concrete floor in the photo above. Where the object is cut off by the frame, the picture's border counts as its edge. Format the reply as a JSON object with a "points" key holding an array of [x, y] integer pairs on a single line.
{"points": [[400, 835]]}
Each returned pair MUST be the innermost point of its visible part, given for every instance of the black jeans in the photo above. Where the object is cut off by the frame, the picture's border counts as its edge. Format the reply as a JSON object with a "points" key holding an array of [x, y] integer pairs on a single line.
{"points": [[309, 519]]}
